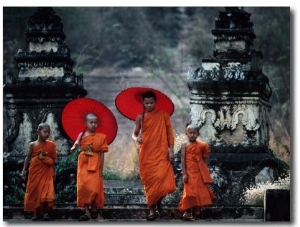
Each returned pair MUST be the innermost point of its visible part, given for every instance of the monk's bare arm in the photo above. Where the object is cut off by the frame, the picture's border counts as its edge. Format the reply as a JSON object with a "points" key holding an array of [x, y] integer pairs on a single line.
{"points": [[183, 162], [76, 143], [171, 153], [136, 130], [170, 138], [27, 160]]}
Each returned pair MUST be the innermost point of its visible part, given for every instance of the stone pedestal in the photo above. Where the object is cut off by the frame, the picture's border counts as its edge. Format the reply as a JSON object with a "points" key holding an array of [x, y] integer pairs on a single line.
{"points": [[277, 205]]}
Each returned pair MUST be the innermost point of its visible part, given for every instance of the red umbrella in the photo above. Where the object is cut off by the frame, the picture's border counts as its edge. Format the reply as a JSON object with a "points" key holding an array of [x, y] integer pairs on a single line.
{"points": [[130, 101], [74, 113]]}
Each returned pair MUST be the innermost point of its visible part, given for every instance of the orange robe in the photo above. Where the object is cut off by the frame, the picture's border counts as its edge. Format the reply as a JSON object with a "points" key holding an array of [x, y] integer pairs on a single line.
{"points": [[156, 171], [40, 184], [196, 193], [89, 177]]}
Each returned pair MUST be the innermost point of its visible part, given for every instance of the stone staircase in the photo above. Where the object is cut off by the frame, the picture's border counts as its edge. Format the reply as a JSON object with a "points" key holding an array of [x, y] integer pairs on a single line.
{"points": [[125, 201]]}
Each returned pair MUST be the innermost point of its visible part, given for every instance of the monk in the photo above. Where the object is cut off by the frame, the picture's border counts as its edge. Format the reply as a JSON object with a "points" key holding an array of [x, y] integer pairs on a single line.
{"points": [[154, 133], [41, 156], [195, 173], [90, 187]]}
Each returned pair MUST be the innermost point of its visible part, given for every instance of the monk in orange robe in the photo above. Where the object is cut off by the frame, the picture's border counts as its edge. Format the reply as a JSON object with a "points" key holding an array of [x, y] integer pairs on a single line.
{"points": [[154, 133], [90, 186], [196, 176], [39, 195]]}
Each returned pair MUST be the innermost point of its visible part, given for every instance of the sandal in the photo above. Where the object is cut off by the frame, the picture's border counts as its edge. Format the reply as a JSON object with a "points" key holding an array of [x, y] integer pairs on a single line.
{"points": [[27, 215], [36, 217], [84, 218], [151, 217], [46, 217], [94, 214], [188, 216], [162, 213]]}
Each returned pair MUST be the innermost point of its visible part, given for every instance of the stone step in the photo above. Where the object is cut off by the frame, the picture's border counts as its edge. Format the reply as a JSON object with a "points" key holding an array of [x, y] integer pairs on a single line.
{"points": [[134, 213]]}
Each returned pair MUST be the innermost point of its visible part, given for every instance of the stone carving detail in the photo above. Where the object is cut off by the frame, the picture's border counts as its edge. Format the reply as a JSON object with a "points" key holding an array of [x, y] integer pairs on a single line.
{"points": [[235, 72], [203, 115], [247, 117], [234, 124], [224, 120], [14, 117], [24, 137], [195, 114], [200, 74], [215, 74], [207, 131], [230, 121], [22, 122], [45, 22]]}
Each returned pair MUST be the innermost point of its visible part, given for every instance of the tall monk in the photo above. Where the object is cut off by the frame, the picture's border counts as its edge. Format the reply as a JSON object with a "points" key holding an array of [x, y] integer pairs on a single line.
{"points": [[41, 156], [196, 176], [154, 133], [90, 187]]}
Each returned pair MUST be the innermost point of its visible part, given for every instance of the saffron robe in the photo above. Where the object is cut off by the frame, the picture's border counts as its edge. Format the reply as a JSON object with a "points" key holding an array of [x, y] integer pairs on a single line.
{"points": [[90, 184], [156, 171], [196, 192], [40, 184]]}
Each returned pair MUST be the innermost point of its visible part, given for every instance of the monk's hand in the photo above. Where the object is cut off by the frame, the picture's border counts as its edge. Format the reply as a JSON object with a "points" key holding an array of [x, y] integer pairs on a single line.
{"points": [[184, 177], [171, 157], [139, 139], [74, 147], [24, 173]]}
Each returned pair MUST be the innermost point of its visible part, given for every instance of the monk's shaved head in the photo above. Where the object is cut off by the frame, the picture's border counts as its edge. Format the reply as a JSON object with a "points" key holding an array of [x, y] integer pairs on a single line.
{"points": [[90, 116]]}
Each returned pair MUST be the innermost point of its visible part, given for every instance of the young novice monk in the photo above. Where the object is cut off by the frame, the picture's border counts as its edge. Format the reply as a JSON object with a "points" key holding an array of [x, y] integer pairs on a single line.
{"points": [[196, 175], [154, 133], [90, 189], [39, 195]]}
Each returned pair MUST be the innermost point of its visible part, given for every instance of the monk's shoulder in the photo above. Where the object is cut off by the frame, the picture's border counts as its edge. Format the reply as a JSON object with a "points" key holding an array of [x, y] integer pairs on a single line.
{"points": [[139, 117], [203, 144], [163, 113], [185, 143], [50, 143], [32, 144], [101, 135]]}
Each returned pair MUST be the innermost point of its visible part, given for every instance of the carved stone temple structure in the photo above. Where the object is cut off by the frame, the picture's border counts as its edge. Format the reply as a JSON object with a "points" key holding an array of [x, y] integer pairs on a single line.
{"points": [[45, 84], [229, 101]]}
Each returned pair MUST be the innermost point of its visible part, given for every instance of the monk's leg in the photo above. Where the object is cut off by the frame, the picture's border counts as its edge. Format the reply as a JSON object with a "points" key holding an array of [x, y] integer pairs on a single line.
{"points": [[37, 214], [188, 215], [152, 215], [160, 210], [94, 211], [87, 214], [45, 210], [195, 211], [87, 210]]}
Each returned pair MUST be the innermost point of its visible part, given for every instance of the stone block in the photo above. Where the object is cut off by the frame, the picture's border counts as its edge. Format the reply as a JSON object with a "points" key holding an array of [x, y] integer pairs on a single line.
{"points": [[277, 205]]}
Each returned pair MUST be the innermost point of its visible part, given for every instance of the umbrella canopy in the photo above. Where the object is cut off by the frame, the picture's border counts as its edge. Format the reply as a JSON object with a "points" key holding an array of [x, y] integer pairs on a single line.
{"points": [[74, 113], [129, 102]]}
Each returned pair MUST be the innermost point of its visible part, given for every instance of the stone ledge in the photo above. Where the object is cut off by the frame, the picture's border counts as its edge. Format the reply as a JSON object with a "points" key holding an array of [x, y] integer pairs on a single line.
{"points": [[139, 213]]}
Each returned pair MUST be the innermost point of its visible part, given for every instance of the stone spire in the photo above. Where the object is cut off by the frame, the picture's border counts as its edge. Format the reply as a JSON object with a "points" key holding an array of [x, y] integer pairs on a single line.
{"points": [[229, 92], [45, 83], [229, 102]]}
